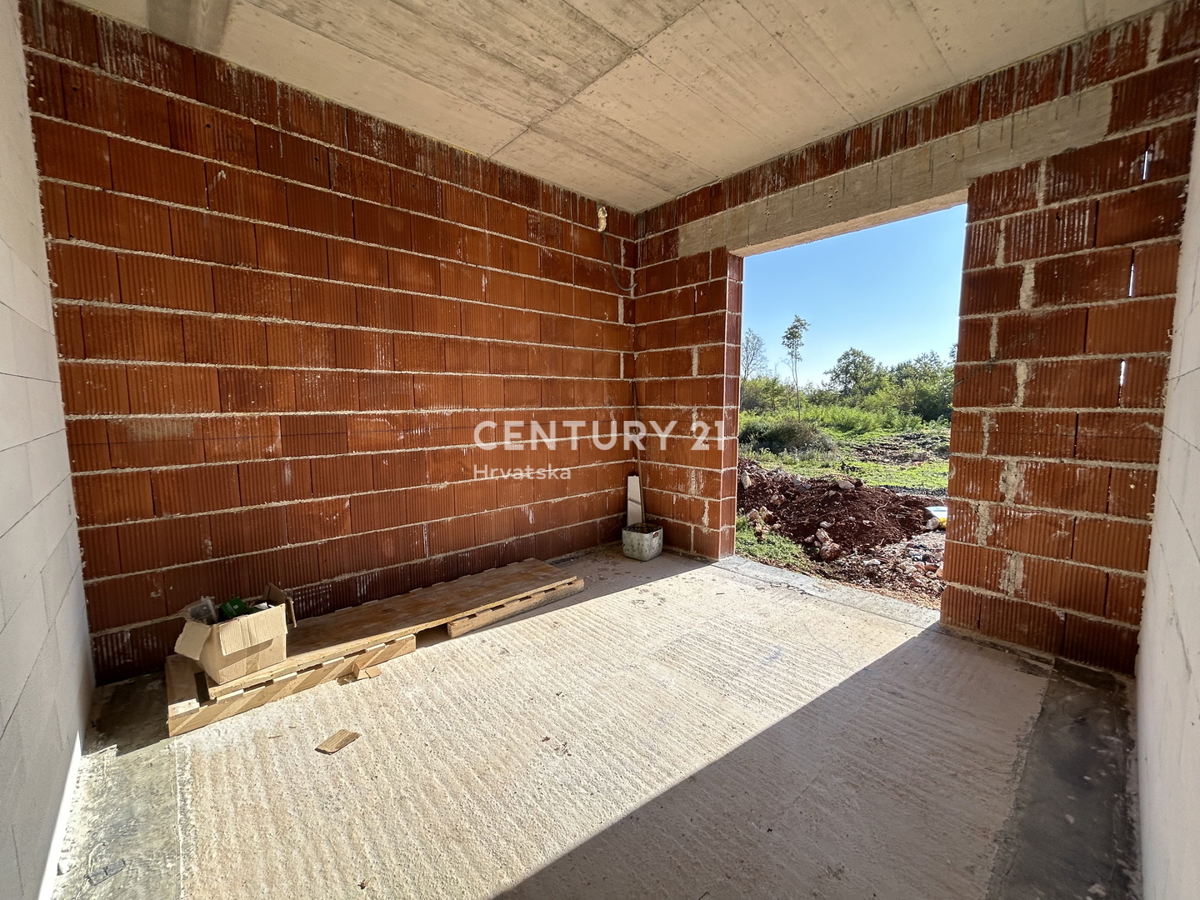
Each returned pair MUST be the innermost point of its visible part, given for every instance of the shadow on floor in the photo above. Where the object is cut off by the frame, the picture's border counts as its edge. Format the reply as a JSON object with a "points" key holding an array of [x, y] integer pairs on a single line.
{"points": [[882, 788]]}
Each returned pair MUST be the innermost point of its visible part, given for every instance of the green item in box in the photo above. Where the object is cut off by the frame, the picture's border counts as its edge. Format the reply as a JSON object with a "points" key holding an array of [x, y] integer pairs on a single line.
{"points": [[231, 609]]}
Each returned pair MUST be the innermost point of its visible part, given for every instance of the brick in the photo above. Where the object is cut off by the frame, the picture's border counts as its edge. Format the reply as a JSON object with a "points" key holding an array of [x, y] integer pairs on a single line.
{"points": [[132, 334], [292, 252], [1083, 278], [1109, 54], [207, 132], [72, 154], [1155, 269], [1112, 544], [974, 340], [1169, 151], [164, 542], [1103, 644], [960, 608], [224, 341], [172, 389], [326, 391], [314, 435], [68, 331], [1037, 434], [101, 552], [362, 350], [364, 179], [237, 438], [108, 498], [302, 160], [1161, 93], [247, 531], [1123, 601], [321, 120], [1050, 582], [384, 391], [235, 89], [156, 173], [256, 390], [274, 481], [409, 272], [54, 210], [168, 283], [1143, 326], [197, 489], [243, 292], [248, 195], [316, 210], [93, 99], [83, 273], [1145, 383], [94, 389], [1049, 232], [115, 221], [1073, 383], [1052, 485], [140, 443], [1119, 436], [984, 385], [1097, 169], [338, 476], [982, 244], [1024, 624], [973, 566], [140, 56], [358, 263], [66, 30], [1003, 193], [124, 601], [87, 442], [976, 479], [1131, 493], [1142, 215], [1030, 531], [212, 238], [318, 521], [1039, 334], [321, 301], [991, 290], [391, 310], [300, 345]]}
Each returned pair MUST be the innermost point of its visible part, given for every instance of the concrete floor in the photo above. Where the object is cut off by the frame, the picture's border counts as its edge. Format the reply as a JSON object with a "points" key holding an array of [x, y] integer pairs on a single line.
{"points": [[680, 730]]}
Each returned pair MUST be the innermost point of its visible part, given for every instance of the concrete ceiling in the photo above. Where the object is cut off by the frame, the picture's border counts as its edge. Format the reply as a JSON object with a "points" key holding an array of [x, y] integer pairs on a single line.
{"points": [[632, 102]]}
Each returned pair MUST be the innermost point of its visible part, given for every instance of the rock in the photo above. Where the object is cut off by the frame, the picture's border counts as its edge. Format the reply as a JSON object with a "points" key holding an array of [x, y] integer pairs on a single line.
{"points": [[747, 481], [844, 485]]}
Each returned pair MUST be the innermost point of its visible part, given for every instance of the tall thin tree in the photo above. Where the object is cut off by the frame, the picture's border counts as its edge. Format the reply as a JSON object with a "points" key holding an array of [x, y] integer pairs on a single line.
{"points": [[793, 341]]}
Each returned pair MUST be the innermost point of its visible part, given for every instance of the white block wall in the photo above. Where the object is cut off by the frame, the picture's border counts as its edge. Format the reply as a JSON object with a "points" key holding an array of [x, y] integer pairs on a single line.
{"points": [[45, 660], [1168, 665]]}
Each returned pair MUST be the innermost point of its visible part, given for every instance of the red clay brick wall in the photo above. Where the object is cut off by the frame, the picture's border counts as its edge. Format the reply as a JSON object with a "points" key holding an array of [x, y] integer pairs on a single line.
{"points": [[1067, 305], [1068, 282], [280, 322], [687, 331]]}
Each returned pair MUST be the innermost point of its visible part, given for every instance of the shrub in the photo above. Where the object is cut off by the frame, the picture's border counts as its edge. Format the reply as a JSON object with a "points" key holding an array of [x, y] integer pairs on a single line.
{"points": [[787, 434]]}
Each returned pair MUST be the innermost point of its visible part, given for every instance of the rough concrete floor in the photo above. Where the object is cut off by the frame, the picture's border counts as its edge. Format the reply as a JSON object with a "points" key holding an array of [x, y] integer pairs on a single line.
{"points": [[678, 730]]}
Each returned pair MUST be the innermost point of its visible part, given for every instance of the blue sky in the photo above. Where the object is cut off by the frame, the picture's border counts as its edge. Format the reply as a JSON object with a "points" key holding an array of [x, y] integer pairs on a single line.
{"points": [[891, 291]]}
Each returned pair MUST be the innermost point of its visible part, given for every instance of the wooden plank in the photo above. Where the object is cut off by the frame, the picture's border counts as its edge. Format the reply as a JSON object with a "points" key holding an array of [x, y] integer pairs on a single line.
{"points": [[192, 709], [485, 617], [339, 633], [337, 741]]}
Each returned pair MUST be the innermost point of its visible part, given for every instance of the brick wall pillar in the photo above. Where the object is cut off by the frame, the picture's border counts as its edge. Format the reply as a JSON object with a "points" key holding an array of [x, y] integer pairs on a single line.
{"points": [[688, 315], [1067, 303]]}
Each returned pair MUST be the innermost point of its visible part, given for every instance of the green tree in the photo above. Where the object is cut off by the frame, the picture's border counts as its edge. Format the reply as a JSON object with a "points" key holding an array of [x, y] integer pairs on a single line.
{"points": [[793, 341], [855, 375], [754, 355]]}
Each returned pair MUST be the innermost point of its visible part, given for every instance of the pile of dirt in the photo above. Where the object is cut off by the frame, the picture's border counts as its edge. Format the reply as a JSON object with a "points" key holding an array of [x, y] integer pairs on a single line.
{"points": [[855, 516], [912, 448], [867, 536]]}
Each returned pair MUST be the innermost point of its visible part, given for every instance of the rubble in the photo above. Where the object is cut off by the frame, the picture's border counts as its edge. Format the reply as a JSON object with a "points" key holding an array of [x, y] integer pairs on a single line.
{"points": [[868, 536]]}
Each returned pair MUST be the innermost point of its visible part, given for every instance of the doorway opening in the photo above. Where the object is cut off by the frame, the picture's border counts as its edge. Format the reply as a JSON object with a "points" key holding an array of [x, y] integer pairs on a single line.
{"points": [[847, 376]]}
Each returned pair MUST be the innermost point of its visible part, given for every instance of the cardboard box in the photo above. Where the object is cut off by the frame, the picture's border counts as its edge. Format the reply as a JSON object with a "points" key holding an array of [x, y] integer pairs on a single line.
{"points": [[229, 650]]}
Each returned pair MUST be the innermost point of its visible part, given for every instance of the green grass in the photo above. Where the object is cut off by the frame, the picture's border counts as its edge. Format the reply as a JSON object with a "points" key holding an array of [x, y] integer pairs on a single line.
{"points": [[774, 549]]}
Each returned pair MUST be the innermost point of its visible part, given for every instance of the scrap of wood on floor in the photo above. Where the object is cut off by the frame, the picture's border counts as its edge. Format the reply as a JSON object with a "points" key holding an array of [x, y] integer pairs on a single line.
{"points": [[350, 644], [337, 741]]}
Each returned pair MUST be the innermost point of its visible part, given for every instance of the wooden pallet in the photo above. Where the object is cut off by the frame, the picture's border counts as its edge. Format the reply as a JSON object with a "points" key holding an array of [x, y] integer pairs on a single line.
{"points": [[190, 704], [346, 643]]}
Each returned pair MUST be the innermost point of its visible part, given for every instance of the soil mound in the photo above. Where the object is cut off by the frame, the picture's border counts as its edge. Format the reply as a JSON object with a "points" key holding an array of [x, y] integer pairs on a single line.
{"points": [[853, 515]]}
